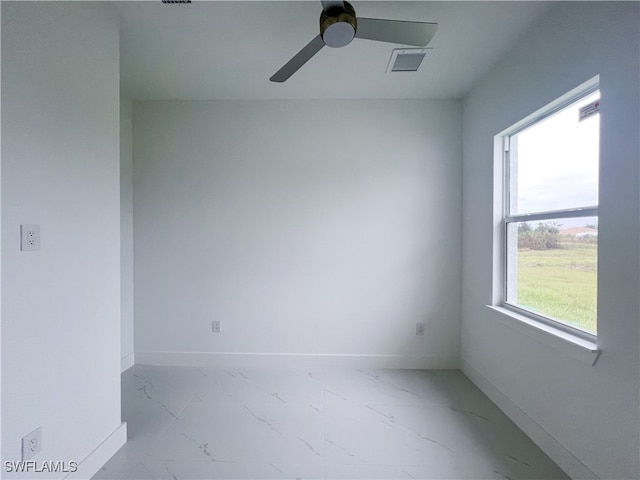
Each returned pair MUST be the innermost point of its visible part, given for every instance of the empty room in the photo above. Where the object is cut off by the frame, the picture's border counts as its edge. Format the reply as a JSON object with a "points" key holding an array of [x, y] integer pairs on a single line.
{"points": [[320, 240]]}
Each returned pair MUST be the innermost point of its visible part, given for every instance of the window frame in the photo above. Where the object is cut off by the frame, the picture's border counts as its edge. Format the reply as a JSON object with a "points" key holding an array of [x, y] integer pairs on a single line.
{"points": [[508, 218]]}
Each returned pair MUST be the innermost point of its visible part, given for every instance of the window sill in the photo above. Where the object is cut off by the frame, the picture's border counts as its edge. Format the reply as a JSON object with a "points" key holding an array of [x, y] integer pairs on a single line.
{"points": [[579, 348]]}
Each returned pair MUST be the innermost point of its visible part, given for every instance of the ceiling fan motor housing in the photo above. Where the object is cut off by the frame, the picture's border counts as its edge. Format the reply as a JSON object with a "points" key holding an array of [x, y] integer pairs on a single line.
{"points": [[338, 25]]}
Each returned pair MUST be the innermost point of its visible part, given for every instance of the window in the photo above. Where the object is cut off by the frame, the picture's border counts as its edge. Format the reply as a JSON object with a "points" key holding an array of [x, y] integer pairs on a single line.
{"points": [[550, 216]]}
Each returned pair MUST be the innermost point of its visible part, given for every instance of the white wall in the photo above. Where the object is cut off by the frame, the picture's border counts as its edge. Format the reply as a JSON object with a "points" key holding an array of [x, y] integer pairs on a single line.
{"points": [[306, 227], [1, 474], [126, 233], [61, 305], [586, 417]]}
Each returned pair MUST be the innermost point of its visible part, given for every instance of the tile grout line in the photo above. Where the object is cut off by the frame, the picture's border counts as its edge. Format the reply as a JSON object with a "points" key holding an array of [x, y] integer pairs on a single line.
{"points": [[324, 420]]}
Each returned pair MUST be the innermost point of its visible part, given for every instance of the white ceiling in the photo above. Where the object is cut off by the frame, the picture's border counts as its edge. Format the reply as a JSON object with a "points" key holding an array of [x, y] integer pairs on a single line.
{"points": [[228, 50]]}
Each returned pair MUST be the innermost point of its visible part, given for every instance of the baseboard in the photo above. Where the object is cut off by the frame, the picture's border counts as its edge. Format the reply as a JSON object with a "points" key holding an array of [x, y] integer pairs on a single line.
{"points": [[547, 443], [88, 467], [127, 362], [286, 360]]}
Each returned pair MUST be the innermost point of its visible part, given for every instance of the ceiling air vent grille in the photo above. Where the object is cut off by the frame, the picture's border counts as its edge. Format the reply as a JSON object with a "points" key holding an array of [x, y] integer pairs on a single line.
{"points": [[176, 1], [407, 59]]}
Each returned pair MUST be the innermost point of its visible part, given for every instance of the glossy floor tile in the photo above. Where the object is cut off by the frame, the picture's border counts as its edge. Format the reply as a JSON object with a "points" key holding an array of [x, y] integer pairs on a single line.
{"points": [[225, 423]]}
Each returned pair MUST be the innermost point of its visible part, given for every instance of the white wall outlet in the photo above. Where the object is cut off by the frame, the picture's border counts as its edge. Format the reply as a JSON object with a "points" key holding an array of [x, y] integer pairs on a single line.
{"points": [[215, 326], [29, 237], [32, 444], [419, 328]]}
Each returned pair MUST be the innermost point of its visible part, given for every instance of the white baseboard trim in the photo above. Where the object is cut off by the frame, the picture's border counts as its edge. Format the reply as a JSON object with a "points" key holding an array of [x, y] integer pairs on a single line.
{"points": [[293, 360], [547, 443], [88, 467], [127, 362]]}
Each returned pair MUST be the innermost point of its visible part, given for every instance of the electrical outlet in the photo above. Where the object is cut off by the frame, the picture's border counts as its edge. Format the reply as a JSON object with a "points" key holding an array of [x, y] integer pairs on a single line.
{"points": [[215, 326], [419, 328], [29, 237], [32, 444]]}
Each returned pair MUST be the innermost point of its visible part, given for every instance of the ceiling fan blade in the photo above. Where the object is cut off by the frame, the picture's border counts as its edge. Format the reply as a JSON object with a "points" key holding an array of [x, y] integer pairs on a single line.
{"points": [[418, 34], [299, 59], [327, 4]]}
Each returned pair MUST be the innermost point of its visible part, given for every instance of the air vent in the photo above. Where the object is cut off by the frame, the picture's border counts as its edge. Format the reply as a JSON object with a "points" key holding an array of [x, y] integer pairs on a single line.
{"points": [[176, 1], [407, 59]]}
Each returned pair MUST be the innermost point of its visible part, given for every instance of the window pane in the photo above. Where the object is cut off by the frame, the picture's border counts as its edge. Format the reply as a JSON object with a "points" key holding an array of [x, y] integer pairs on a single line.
{"points": [[552, 269], [554, 163]]}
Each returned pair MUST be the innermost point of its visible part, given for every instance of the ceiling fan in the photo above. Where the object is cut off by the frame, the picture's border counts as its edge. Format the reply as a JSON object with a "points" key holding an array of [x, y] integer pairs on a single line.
{"points": [[339, 25]]}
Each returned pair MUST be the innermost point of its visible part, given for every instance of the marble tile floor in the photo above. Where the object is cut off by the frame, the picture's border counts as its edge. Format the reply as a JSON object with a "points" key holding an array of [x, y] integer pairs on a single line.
{"points": [[210, 423]]}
